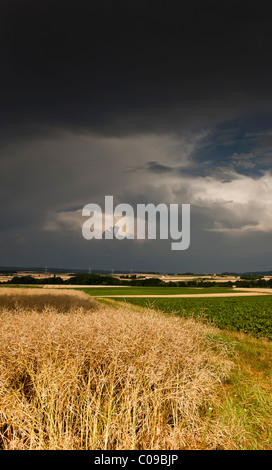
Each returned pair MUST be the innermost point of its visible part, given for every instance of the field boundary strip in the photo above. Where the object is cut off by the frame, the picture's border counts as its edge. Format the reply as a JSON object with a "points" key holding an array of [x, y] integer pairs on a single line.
{"points": [[240, 294]]}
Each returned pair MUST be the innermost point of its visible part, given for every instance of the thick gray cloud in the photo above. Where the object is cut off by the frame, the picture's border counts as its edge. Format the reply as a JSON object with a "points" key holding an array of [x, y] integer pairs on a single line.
{"points": [[46, 184]]}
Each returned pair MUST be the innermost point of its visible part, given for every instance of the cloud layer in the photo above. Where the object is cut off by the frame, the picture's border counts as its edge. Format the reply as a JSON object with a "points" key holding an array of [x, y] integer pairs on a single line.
{"points": [[144, 102]]}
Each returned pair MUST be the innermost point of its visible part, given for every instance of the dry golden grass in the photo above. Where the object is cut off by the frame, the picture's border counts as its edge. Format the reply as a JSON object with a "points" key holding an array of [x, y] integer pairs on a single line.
{"points": [[63, 300], [107, 378]]}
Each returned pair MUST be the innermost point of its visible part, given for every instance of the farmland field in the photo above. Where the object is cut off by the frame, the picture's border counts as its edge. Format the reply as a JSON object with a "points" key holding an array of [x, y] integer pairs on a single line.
{"points": [[75, 375], [83, 373], [148, 291], [248, 314]]}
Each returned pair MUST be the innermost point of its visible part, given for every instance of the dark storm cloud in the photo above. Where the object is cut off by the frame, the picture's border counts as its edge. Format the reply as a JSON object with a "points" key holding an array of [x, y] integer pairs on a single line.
{"points": [[153, 167], [118, 67], [158, 168]]}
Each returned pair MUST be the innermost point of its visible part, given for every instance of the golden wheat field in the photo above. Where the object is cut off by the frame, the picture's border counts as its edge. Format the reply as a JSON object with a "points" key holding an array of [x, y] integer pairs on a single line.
{"points": [[75, 374]]}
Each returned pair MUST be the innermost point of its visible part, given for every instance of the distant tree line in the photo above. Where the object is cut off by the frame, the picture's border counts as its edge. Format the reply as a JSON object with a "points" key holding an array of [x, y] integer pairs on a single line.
{"points": [[102, 279], [85, 279]]}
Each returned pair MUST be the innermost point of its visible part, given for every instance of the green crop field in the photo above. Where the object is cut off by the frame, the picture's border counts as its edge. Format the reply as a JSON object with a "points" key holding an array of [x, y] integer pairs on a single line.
{"points": [[101, 291], [248, 314]]}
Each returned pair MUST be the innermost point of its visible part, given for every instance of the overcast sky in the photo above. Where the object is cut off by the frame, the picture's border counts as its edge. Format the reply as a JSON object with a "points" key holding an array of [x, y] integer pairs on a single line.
{"points": [[146, 102]]}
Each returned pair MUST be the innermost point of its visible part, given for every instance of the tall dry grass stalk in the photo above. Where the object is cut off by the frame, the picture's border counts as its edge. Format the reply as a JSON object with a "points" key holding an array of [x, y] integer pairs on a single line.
{"points": [[107, 378]]}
